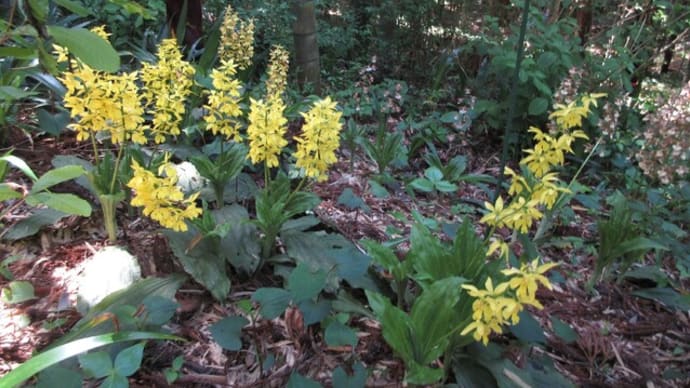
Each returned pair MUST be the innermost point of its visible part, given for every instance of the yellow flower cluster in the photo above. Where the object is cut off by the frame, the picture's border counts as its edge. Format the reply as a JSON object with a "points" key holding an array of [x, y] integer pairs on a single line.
{"points": [[267, 124], [541, 188], [494, 307], [277, 72], [319, 140], [223, 102], [236, 39], [105, 103], [102, 102], [161, 199], [266, 131], [167, 83], [571, 115]]}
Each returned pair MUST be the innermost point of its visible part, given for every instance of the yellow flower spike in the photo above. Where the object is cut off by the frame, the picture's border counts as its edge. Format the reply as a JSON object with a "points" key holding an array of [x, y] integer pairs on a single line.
{"points": [[319, 140], [223, 102], [167, 84], [278, 64], [266, 131], [236, 39]]}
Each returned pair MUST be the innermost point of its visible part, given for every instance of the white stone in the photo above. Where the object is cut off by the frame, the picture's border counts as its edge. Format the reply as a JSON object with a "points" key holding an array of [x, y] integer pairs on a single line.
{"points": [[110, 269]]}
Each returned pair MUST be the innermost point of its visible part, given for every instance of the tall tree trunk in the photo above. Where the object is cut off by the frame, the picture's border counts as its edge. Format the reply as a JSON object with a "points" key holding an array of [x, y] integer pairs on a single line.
{"points": [[306, 45]]}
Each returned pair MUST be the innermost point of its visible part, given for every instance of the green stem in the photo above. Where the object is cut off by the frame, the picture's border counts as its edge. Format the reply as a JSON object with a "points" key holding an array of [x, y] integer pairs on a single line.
{"points": [[95, 150], [116, 171], [109, 206]]}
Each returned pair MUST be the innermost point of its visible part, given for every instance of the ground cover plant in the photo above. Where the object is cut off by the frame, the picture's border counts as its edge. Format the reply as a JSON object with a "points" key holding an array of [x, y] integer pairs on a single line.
{"points": [[475, 198]]}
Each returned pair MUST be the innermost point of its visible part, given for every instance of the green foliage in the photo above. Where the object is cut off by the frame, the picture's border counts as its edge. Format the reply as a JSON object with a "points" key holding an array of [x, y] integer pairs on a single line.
{"points": [[60, 353], [227, 332], [220, 172], [173, 373], [18, 291], [87, 46], [422, 336], [620, 240], [386, 148], [433, 181], [303, 288], [40, 195]]}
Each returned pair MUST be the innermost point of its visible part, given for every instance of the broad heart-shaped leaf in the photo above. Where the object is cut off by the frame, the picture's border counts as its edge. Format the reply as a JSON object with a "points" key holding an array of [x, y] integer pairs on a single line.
{"points": [[563, 330], [273, 301], [314, 311], [115, 380], [470, 374], [52, 124], [129, 359], [300, 224], [323, 251], [56, 176], [60, 376], [203, 261], [528, 329], [434, 317], [228, 332], [338, 334], [377, 189], [351, 201], [396, 326], [352, 266], [64, 202], [158, 309], [536, 373], [96, 364], [298, 381], [88, 47], [33, 223], [304, 283], [358, 379], [240, 246]]}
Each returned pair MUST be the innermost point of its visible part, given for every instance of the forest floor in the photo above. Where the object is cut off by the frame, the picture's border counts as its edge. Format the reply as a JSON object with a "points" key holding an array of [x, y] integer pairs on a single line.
{"points": [[622, 340]]}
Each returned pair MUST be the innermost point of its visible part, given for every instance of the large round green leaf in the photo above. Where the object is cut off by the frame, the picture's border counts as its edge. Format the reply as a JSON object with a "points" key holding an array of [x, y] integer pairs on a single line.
{"points": [[88, 47]]}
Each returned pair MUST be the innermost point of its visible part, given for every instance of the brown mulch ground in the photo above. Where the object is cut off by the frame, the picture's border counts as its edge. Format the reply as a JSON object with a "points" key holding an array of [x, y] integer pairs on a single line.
{"points": [[622, 340]]}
